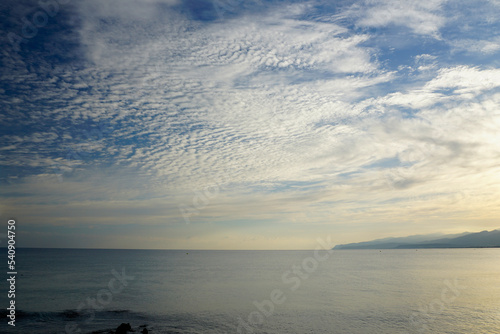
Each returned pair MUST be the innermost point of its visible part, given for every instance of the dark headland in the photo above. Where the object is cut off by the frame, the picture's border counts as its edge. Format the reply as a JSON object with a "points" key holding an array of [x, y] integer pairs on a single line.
{"points": [[484, 239]]}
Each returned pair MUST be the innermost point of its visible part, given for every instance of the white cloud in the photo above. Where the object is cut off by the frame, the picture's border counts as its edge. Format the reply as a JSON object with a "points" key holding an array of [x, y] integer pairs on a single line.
{"points": [[422, 17], [486, 47], [465, 80], [449, 86], [234, 89]]}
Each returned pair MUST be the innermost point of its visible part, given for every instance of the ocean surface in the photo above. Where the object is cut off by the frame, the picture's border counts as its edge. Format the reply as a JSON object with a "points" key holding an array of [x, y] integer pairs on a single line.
{"points": [[345, 291]]}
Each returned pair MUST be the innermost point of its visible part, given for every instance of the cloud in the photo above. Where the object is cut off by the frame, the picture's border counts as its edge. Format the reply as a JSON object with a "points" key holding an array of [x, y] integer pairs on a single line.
{"points": [[423, 18], [175, 109], [449, 86], [486, 47]]}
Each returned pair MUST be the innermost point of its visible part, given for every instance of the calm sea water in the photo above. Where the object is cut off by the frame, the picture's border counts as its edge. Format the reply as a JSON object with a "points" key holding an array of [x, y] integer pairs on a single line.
{"points": [[358, 291]]}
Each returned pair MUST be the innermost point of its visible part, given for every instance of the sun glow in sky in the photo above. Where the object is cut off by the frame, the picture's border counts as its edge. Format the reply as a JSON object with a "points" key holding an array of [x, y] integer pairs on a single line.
{"points": [[227, 124]]}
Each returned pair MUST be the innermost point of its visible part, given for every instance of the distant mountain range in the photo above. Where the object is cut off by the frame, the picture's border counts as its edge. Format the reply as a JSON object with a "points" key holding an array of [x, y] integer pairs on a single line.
{"points": [[463, 240]]}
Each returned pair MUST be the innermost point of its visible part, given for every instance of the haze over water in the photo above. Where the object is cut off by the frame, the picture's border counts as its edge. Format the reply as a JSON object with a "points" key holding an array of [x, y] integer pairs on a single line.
{"points": [[358, 291]]}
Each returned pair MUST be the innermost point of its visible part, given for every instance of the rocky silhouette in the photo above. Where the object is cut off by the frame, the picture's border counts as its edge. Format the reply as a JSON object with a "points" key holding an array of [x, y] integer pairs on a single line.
{"points": [[123, 328]]}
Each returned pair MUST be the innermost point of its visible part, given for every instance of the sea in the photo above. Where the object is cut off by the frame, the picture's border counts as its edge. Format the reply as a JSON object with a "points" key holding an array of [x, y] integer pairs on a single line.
{"points": [[193, 291]]}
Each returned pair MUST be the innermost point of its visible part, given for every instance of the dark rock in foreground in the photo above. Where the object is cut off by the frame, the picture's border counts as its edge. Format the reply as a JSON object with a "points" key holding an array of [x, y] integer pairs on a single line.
{"points": [[123, 329]]}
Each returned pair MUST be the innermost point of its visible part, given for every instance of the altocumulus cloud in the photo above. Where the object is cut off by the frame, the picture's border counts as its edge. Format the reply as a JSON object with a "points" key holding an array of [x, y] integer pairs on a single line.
{"points": [[305, 117]]}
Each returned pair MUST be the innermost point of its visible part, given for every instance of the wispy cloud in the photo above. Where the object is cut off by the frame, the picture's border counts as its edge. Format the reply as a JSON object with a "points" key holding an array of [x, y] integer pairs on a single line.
{"points": [[425, 18]]}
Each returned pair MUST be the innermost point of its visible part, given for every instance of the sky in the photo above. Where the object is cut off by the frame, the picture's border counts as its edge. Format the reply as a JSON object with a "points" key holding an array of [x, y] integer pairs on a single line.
{"points": [[228, 124]]}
